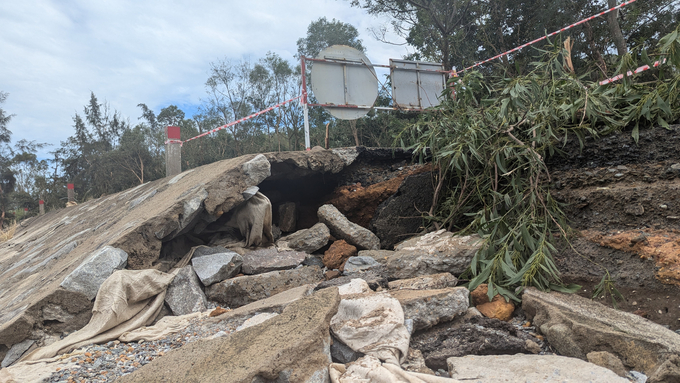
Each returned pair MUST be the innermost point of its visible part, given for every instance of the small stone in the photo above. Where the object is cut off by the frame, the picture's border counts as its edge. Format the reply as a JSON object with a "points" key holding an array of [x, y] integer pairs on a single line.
{"points": [[331, 274], [498, 308], [532, 346]]}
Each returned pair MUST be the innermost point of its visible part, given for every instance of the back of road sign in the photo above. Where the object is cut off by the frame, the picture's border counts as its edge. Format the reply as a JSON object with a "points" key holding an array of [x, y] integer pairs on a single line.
{"points": [[416, 84], [345, 78]]}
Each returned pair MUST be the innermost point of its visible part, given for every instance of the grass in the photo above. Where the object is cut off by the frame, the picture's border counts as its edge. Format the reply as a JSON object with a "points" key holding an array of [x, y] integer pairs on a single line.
{"points": [[8, 233]]}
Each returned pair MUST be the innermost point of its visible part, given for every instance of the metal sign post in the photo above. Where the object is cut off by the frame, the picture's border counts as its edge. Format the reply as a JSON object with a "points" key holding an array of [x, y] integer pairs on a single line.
{"points": [[304, 102]]}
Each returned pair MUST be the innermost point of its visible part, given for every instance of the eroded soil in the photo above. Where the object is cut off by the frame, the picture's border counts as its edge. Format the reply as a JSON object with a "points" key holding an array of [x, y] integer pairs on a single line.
{"points": [[623, 199]]}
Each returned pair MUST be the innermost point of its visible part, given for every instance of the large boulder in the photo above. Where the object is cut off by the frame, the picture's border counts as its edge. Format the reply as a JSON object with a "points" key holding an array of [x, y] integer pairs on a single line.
{"points": [[306, 240], [184, 294], [291, 347], [215, 264], [87, 277], [528, 368], [342, 228], [429, 307], [270, 259], [240, 291], [576, 326], [433, 253]]}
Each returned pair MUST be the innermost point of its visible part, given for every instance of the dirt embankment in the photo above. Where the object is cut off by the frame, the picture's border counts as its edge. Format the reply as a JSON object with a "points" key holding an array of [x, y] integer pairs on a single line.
{"points": [[624, 198]]}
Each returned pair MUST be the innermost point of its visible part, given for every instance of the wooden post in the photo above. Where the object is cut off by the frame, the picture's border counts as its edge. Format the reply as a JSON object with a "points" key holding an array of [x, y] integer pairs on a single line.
{"points": [[41, 204], [173, 151]]}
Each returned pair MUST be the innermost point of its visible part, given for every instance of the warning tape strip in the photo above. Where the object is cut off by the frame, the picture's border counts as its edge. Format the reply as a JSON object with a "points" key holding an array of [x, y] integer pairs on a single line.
{"points": [[548, 35], [630, 73], [234, 122]]}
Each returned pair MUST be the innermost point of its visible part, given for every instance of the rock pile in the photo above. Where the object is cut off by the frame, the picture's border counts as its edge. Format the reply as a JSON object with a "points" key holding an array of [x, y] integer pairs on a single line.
{"points": [[325, 303]]}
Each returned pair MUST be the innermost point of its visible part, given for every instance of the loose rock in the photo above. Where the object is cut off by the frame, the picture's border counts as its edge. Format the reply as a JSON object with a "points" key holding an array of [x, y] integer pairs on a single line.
{"points": [[430, 307], [306, 240], [216, 266], [87, 277], [427, 282], [184, 295], [341, 228], [240, 291], [266, 260]]}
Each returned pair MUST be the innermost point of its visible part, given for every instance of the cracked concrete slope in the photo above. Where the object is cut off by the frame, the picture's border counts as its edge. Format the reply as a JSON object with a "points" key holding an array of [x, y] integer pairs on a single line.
{"points": [[46, 249]]}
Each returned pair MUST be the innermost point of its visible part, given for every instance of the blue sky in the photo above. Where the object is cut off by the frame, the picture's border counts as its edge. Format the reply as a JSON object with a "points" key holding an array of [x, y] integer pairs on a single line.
{"points": [[53, 53]]}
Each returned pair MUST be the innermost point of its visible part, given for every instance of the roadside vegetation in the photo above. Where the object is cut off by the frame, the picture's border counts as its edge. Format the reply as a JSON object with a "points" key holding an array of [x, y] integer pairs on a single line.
{"points": [[491, 139]]}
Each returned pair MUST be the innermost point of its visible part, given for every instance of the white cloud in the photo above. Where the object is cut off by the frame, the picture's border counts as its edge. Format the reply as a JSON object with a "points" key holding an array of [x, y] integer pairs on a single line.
{"points": [[54, 52]]}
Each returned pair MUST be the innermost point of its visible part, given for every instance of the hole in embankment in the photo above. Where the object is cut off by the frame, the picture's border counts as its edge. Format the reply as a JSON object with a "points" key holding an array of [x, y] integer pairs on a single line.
{"points": [[356, 191]]}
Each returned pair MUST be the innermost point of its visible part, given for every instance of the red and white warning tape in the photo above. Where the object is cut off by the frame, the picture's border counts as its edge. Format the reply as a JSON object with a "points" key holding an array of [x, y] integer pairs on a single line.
{"points": [[630, 73], [548, 35], [234, 122]]}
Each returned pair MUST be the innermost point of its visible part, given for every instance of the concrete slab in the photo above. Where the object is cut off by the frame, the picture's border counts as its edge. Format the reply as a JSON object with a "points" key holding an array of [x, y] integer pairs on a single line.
{"points": [[47, 248]]}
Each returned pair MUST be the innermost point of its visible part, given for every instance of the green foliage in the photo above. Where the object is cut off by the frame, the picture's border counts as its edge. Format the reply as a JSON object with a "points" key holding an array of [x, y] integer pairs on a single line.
{"points": [[490, 143], [323, 33]]}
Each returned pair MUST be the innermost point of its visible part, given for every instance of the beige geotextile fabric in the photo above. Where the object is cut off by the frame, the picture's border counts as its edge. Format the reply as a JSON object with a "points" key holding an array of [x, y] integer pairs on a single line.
{"points": [[127, 300], [253, 218], [372, 324], [167, 325], [369, 369], [35, 371]]}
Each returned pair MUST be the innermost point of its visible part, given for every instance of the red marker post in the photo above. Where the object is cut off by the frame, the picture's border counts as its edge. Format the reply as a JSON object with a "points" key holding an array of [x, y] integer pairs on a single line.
{"points": [[41, 203], [173, 151]]}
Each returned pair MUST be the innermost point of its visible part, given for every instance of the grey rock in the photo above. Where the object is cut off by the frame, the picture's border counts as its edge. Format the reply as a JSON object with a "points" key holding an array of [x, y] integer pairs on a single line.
{"points": [[348, 155], [381, 256], [607, 360], [184, 295], [433, 253], [637, 377], [427, 282], [288, 217], [399, 216], [576, 326], [216, 267], [306, 240], [342, 353], [87, 277], [313, 260], [15, 352], [250, 192], [256, 170], [357, 264], [294, 346], [528, 368], [430, 307], [240, 291], [55, 312], [270, 259], [342, 228]]}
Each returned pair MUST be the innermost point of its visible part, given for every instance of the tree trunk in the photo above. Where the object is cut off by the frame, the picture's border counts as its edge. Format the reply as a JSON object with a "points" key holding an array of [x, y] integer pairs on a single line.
{"points": [[355, 131], [615, 29], [593, 48]]}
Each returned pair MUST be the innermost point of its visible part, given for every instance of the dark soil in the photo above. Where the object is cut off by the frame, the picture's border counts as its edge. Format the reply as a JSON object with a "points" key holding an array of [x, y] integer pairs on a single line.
{"points": [[615, 187]]}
